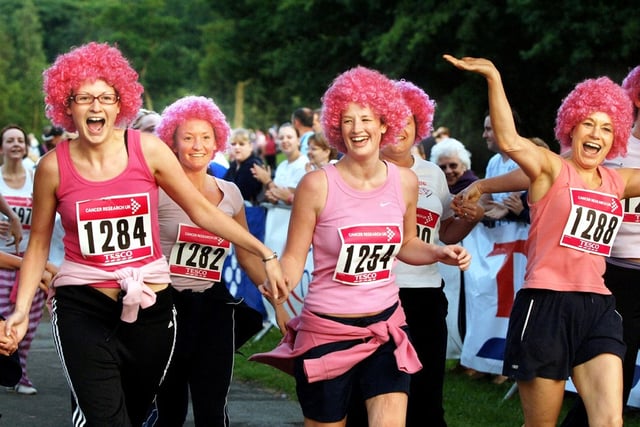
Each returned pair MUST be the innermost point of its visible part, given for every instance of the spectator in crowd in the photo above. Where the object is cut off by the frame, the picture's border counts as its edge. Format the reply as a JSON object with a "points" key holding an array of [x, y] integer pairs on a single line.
{"points": [[244, 159], [320, 152], [51, 136], [145, 121], [279, 191], [302, 120], [16, 186], [441, 133], [455, 161]]}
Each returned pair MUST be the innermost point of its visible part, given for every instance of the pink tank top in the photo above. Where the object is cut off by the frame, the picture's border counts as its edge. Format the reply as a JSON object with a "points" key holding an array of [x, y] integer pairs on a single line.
{"points": [[569, 217], [356, 239], [114, 223]]}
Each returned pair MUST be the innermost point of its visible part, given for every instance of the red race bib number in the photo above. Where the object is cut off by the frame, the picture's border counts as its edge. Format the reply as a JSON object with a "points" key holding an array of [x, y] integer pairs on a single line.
{"points": [[22, 206], [594, 221], [631, 208], [426, 221], [367, 253], [198, 254], [115, 230]]}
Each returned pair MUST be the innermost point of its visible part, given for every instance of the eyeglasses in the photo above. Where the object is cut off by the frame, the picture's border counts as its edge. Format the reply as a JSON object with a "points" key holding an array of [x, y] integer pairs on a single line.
{"points": [[87, 98], [452, 166]]}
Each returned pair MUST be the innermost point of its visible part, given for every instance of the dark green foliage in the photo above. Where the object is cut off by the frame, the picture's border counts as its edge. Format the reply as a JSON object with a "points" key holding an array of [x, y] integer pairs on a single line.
{"points": [[286, 52]]}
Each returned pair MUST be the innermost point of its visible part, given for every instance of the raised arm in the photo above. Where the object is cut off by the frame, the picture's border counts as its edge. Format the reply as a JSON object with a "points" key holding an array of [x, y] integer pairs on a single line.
{"points": [[539, 164]]}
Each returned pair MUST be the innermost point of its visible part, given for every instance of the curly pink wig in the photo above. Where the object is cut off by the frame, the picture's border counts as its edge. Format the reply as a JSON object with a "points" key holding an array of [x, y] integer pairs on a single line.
{"points": [[599, 95], [193, 107], [368, 88], [631, 84], [86, 64], [421, 106]]}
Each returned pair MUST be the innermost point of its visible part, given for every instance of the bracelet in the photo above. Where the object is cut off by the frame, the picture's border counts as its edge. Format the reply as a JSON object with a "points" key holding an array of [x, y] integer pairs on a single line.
{"points": [[269, 182], [290, 199], [274, 255]]}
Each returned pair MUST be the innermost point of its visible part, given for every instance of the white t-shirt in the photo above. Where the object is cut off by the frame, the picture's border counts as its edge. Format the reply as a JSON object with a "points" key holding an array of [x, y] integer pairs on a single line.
{"points": [[434, 206]]}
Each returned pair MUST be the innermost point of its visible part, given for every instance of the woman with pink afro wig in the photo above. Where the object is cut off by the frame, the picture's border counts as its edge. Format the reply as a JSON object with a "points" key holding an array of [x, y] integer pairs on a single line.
{"points": [[576, 211], [360, 214], [593, 95], [421, 293], [355, 86], [114, 280], [631, 84], [623, 266], [88, 63], [208, 331], [194, 108]]}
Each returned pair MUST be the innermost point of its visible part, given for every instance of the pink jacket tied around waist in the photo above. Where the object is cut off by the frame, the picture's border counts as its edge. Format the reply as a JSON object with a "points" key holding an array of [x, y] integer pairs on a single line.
{"points": [[307, 331], [131, 281]]}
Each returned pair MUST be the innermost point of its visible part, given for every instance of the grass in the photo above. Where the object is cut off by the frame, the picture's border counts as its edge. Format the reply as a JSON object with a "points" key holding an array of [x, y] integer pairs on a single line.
{"points": [[477, 403]]}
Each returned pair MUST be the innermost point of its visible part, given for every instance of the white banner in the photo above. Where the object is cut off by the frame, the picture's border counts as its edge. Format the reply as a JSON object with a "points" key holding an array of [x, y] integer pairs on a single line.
{"points": [[495, 275]]}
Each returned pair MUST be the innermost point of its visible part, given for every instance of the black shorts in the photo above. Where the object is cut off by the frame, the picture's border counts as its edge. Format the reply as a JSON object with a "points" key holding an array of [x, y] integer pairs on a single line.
{"points": [[328, 400], [551, 332]]}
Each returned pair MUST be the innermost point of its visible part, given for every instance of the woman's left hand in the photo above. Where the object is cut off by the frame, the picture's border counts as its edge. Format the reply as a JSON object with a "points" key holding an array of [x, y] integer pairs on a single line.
{"points": [[276, 287], [454, 255]]}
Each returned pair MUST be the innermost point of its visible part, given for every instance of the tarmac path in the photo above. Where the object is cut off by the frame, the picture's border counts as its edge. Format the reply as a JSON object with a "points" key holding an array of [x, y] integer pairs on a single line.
{"points": [[249, 406]]}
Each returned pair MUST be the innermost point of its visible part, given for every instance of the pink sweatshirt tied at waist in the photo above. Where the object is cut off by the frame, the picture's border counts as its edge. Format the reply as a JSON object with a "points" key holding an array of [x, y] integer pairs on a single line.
{"points": [[308, 330], [131, 280]]}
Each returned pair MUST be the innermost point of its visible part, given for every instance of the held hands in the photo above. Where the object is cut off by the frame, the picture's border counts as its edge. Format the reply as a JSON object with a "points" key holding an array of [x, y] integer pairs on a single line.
{"points": [[465, 204], [276, 288], [15, 326], [8, 341], [454, 255]]}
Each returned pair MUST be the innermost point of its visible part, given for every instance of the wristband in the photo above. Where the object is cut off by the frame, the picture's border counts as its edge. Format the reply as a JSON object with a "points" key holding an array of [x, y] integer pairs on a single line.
{"points": [[274, 255]]}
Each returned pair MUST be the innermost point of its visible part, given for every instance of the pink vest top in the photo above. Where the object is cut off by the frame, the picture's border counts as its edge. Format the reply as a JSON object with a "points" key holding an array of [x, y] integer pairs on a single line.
{"points": [[114, 223], [356, 239], [551, 265]]}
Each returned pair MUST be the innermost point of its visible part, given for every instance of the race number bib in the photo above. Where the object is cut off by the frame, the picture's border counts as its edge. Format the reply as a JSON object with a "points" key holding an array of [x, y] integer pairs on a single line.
{"points": [[22, 206], [426, 223], [367, 253], [631, 209], [594, 221], [198, 254], [115, 230]]}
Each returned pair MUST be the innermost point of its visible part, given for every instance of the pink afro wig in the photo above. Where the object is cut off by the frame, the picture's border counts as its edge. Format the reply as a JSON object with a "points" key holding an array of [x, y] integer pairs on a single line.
{"points": [[599, 95], [193, 107], [631, 84], [421, 106], [86, 64], [368, 88]]}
